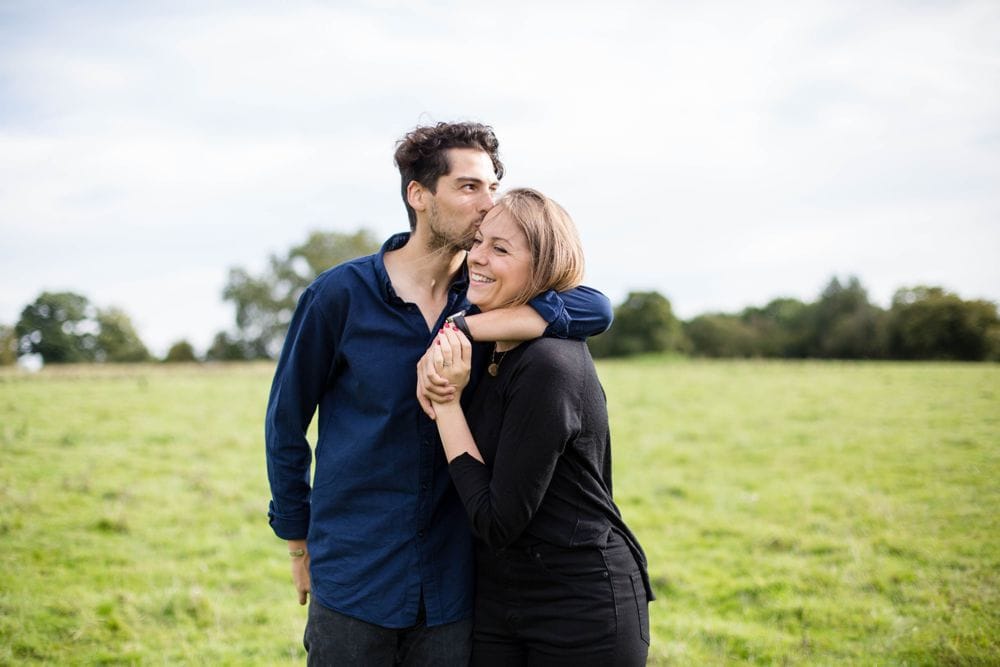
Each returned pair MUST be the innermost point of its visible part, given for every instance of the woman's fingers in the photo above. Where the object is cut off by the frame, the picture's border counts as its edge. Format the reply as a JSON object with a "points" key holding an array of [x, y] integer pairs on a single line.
{"points": [[461, 347], [450, 359], [444, 345], [437, 354], [430, 368], [430, 383]]}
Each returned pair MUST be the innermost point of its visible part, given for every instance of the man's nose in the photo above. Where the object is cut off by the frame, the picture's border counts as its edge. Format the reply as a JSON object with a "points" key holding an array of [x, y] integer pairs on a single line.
{"points": [[486, 202]]}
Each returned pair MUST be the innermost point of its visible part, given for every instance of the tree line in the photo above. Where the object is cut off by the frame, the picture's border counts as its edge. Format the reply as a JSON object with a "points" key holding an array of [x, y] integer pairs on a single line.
{"points": [[922, 322]]}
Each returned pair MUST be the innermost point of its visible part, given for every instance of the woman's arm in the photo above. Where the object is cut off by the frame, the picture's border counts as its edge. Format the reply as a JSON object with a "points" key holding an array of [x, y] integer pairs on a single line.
{"points": [[541, 416], [454, 431], [451, 358]]}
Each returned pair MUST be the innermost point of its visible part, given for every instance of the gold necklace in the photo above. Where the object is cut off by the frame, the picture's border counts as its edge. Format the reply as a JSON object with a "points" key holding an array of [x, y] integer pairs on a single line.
{"points": [[494, 366]]}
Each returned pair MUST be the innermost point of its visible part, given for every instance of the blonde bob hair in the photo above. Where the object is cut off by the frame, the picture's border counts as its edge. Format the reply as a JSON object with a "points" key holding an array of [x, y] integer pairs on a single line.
{"points": [[556, 252]]}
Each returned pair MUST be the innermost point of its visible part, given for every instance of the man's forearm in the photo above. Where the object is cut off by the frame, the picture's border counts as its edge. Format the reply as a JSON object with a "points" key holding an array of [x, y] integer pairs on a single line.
{"points": [[518, 323], [577, 313]]}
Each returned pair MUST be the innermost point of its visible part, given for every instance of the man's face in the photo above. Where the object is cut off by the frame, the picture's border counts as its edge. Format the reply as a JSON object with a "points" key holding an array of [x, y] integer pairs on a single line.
{"points": [[464, 195]]}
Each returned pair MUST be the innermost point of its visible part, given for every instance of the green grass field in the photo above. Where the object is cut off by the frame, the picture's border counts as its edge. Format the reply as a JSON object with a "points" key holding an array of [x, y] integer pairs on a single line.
{"points": [[793, 513]]}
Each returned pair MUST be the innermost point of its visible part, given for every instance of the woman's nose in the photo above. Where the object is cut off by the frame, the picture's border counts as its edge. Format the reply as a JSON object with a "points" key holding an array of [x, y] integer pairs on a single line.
{"points": [[476, 253]]}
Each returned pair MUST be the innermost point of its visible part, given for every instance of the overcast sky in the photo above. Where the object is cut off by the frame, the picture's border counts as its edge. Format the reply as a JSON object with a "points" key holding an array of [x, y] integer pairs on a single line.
{"points": [[722, 153]]}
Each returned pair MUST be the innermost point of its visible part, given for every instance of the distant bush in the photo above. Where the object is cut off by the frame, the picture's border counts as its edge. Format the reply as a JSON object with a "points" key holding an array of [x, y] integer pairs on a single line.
{"points": [[721, 335], [922, 323], [181, 351], [645, 322], [931, 323]]}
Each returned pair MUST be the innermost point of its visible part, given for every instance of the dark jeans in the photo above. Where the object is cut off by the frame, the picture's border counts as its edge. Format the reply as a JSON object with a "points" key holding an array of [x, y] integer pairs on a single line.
{"points": [[334, 640], [539, 604]]}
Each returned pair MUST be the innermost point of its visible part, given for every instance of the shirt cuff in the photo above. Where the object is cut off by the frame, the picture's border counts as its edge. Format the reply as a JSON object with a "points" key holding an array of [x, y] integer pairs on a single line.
{"points": [[288, 528], [553, 310]]}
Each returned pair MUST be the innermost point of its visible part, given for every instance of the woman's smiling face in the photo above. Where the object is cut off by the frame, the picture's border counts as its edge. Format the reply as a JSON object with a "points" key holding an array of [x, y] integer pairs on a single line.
{"points": [[499, 261]]}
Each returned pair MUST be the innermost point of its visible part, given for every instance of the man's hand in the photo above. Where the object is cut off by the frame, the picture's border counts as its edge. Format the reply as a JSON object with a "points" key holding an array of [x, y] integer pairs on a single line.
{"points": [[300, 570]]}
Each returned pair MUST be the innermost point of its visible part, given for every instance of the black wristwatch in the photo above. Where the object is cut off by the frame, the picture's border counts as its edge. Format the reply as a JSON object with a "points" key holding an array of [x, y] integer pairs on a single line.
{"points": [[458, 319]]}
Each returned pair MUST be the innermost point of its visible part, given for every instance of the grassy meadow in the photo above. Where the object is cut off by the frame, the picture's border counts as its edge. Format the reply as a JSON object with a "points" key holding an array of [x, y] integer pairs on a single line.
{"points": [[793, 513]]}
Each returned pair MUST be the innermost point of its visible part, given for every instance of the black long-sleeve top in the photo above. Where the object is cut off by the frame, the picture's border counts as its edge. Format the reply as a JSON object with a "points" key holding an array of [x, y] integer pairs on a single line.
{"points": [[541, 426]]}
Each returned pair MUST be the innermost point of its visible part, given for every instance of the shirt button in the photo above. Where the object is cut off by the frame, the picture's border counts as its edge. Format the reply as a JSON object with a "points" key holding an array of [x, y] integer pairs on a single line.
{"points": [[424, 486], [420, 534]]}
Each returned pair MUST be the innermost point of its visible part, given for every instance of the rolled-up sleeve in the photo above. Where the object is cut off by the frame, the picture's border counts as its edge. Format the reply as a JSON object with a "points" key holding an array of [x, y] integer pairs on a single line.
{"points": [[578, 313]]}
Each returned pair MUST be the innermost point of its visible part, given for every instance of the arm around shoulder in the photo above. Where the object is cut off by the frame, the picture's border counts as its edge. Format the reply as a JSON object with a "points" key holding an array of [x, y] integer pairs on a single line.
{"points": [[578, 313]]}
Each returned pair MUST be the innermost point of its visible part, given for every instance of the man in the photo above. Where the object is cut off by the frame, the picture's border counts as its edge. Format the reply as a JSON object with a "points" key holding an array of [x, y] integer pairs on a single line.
{"points": [[379, 540]]}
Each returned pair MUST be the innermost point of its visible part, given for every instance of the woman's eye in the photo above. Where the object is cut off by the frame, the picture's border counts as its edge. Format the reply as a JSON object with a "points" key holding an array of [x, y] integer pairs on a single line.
{"points": [[500, 250]]}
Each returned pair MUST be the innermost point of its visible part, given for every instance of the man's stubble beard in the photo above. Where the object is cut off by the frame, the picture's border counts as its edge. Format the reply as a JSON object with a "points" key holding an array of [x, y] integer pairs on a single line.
{"points": [[438, 241]]}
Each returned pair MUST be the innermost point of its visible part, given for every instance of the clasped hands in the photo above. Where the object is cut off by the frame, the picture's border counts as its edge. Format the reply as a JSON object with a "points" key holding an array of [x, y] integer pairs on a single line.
{"points": [[444, 369]]}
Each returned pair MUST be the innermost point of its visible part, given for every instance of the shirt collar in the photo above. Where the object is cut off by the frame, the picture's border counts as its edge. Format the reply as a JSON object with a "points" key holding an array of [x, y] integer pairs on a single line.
{"points": [[395, 242]]}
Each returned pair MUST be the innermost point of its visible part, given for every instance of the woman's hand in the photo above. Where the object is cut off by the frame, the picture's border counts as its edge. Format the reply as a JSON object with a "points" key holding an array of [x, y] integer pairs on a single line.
{"points": [[451, 354], [432, 386]]}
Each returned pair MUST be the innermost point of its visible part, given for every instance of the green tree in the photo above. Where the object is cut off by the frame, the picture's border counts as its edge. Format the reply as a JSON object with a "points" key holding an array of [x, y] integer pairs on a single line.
{"points": [[722, 335], [8, 345], [644, 322], [59, 326], [64, 327], [265, 303], [845, 325], [225, 347], [932, 323], [780, 329], [181, 351], [117, 339]]}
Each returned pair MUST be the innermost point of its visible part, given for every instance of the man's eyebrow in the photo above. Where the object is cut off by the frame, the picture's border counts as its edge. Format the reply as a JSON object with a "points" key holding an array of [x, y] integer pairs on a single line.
{"points": [[474, 179]]}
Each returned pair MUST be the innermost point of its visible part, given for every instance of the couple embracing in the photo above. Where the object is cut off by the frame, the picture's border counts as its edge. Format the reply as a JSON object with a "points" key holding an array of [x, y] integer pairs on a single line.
{"points": [[472, 523]]}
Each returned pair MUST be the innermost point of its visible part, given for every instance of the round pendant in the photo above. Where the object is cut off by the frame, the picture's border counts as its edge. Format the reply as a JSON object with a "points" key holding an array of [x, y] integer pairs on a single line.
{"points": [[492, 369]]}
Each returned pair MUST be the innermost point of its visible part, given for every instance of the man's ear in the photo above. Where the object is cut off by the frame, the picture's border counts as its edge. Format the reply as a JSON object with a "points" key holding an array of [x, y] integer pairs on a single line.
{"points": [[417, 196]]}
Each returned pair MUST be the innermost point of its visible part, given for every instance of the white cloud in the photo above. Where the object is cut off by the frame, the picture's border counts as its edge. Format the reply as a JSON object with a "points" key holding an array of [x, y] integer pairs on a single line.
{"points": [[723, 154]]}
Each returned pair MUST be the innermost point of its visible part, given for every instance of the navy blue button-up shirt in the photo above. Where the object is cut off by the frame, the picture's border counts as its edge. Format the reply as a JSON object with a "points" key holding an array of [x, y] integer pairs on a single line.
{"points": [[384, 524]]}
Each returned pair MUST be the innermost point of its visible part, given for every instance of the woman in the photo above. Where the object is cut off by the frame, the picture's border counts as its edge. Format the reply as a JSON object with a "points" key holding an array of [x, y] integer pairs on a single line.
{"points": [[561, 579]]}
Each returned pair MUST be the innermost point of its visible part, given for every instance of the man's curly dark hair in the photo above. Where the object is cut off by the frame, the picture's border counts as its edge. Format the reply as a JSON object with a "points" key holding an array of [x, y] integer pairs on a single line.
{"points": [[421, 154]]}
